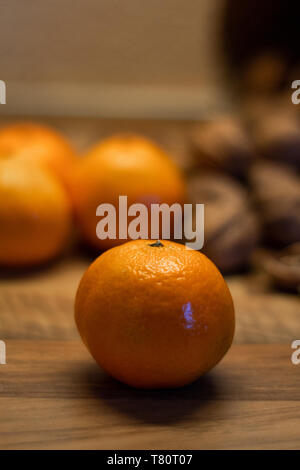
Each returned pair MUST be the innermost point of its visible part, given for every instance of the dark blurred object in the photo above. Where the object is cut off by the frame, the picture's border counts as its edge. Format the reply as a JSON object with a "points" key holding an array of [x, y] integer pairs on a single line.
{"points": [[264, 74], [222, 144], [277, 193], [283, 267], [259, 42], [231, 231], [257, 109], [277, 136]]}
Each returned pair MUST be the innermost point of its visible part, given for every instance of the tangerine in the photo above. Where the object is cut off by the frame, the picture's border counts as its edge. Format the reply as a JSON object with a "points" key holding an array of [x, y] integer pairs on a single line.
{"points": [[40, 144], [35, 214], [123, 165], [154, 314]]}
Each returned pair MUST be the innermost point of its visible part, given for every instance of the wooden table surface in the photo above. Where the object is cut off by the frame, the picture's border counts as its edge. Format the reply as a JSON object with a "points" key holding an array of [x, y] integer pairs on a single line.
{"points": [[52, 395]]}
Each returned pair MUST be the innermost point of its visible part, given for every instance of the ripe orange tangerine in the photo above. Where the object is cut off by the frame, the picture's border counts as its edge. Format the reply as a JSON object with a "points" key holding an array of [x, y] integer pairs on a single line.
{"points": [[35, 214], [123, 165], [39, 144], [154, 314]]}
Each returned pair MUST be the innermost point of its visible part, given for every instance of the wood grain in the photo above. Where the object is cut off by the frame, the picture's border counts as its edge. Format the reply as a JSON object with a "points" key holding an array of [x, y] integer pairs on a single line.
{"points": [[54, 396], [39, 304]]}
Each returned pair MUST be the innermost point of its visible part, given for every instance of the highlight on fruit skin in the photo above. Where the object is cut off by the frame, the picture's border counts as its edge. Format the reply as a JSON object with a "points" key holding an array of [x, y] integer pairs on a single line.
{"points": [[37, 143], [35, 217], [124, 164], [154, 314]]}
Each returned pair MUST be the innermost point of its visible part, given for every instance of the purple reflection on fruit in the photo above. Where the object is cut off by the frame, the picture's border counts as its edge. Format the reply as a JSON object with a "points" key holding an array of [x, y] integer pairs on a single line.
{"points": [[188, 315]]}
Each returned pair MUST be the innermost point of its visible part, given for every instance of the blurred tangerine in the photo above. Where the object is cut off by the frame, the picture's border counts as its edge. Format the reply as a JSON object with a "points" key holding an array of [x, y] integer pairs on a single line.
{"points": [[123, 165], [34, 214], [39, 144]]}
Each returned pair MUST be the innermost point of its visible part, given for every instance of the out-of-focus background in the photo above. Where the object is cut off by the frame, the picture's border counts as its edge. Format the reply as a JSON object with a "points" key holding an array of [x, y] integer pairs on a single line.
{"points": [[111, 58], [142, 59], [210, 82]]}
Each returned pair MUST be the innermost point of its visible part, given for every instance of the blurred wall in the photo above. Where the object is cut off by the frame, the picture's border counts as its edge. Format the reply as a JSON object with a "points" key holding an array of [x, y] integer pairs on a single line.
{"points": [[111, 57]]}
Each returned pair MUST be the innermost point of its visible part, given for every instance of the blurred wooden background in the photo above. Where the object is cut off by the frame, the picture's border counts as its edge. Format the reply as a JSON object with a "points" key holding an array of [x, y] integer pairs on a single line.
{"points": [[111, 58]]}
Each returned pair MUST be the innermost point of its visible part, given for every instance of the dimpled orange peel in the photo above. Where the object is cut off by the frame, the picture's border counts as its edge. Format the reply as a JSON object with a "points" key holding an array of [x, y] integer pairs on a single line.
{"points": [[154, 314]]}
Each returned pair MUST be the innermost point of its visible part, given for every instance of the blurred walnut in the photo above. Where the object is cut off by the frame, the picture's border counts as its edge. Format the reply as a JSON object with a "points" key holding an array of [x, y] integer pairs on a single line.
{"points": [[283, 267], [277, 137], [253, 109], [231, 231], [277, 193], [222, 144], [257, 110], [265, 73]]}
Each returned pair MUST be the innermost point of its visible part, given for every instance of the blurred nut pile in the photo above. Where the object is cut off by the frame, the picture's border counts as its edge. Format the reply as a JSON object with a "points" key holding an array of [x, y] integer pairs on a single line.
{"points": [[246, 171], [231, 229]]}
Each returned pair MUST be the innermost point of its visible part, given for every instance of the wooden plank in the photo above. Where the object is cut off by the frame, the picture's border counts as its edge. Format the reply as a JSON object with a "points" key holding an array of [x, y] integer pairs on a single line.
{"points": [[38, 304], [263, 315], [52, 395]]}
